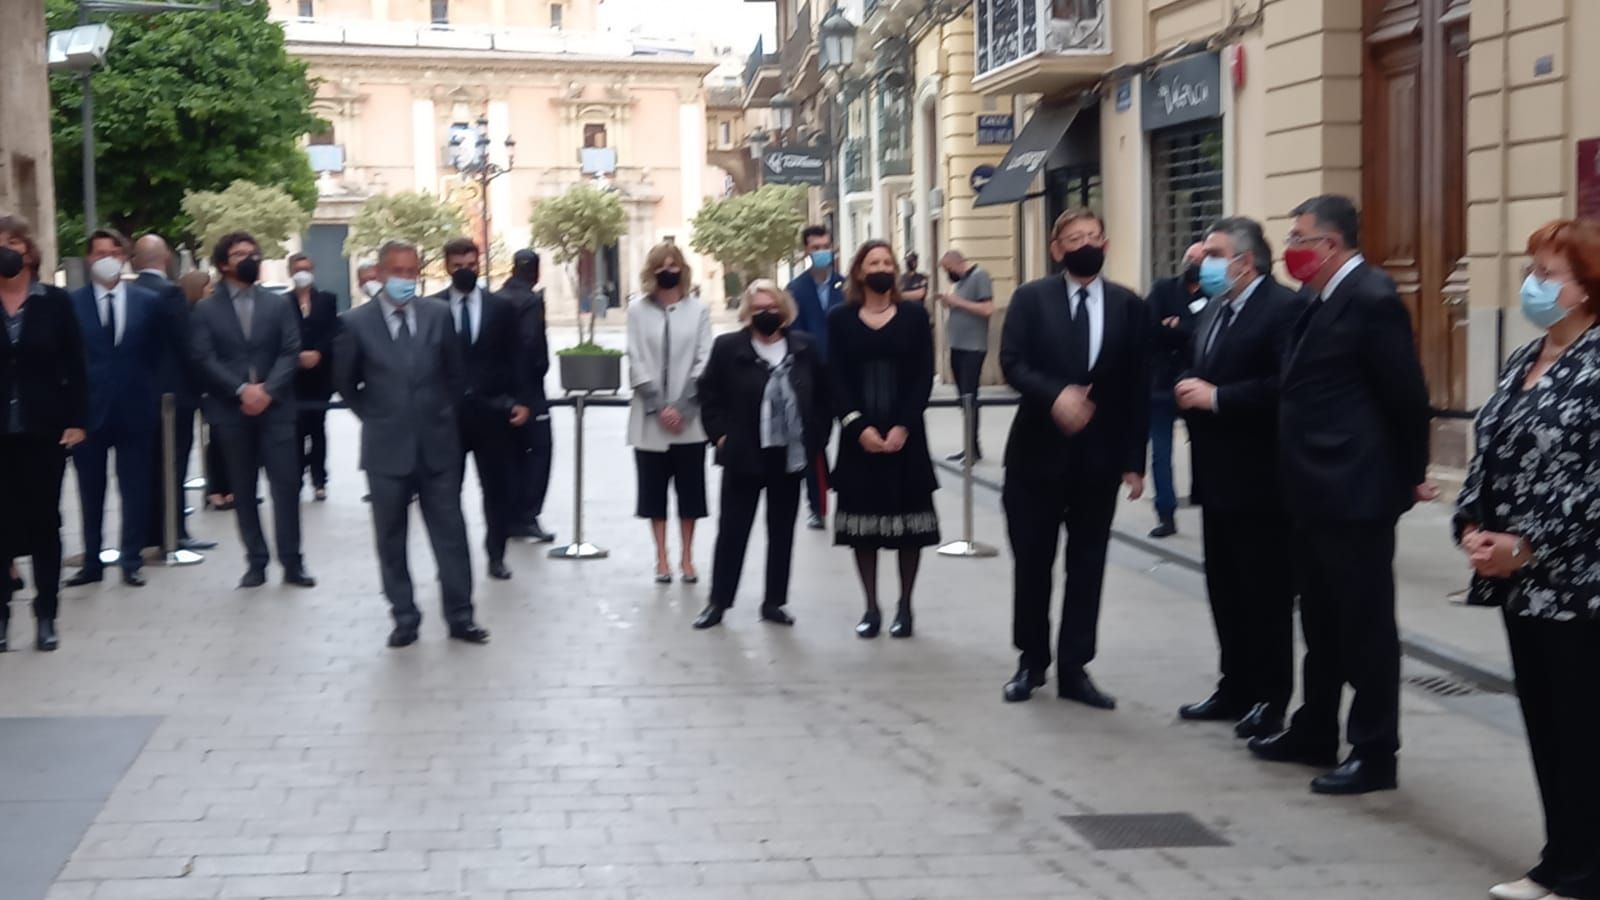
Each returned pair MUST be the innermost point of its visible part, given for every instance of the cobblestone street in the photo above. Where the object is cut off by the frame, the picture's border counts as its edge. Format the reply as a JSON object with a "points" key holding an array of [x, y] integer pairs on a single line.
{"points": [[599, 748]]}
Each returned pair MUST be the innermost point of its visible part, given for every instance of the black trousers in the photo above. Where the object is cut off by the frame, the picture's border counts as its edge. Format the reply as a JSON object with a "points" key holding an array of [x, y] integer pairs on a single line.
{"points": [[311, 427], [439, 496], [532, 457], [216, 464], [182, 445], [250, 445], [30, 495], [1345, 574], [1036, 509], [740, 495], [489, 440], [680, 466], [1250, 582], [133, 447], [1557, 666], [967, 367]]}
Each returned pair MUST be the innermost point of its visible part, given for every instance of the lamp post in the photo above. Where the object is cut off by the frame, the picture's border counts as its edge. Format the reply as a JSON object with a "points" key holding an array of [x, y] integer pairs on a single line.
{"points": [[838, 38], [479, 166], [783, 108]]}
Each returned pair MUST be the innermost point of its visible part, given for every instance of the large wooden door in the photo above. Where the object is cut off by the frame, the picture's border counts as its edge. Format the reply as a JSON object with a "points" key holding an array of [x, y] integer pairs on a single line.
{"points": [[1414, 77]]}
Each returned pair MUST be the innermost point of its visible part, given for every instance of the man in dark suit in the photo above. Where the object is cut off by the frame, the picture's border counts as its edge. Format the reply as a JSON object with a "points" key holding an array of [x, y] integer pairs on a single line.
{"points": [[1229, 397], [1075, 346], [489, 333], [816, 291], [398, 364], [532, 452], [247, 344], [152, 258], [318, 313], [1172, 303], [1353, 413], [123, 340]]}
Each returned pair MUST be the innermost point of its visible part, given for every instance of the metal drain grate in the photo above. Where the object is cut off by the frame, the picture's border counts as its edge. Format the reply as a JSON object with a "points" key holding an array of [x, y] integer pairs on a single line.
{"points": [[1144, 831], [1441, 686]]}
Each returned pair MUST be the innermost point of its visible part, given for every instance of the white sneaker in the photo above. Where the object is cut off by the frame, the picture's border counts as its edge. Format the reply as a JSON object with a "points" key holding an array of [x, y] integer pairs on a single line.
{"points": [[1521, 889]]}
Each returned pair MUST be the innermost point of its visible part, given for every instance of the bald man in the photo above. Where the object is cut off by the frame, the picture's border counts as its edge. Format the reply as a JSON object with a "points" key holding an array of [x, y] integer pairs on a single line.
{"points": [[152, 259], [1174, 303], [971, 303]]}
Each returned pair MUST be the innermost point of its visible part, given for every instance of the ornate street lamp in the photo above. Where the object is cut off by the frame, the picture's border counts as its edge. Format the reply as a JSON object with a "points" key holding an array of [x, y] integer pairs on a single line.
{"points": [[838, 39], [783, 106], [478, 165]]}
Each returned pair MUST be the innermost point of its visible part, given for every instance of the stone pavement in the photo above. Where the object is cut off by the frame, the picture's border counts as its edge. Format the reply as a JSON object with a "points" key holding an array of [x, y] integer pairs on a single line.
{"points": [[600, 749]]}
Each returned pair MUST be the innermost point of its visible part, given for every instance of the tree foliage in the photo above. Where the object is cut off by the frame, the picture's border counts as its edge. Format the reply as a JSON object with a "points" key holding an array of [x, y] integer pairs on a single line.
{"points": [[419, 217], [582, 220], [750, 233], [268, 213], [187, 101]]}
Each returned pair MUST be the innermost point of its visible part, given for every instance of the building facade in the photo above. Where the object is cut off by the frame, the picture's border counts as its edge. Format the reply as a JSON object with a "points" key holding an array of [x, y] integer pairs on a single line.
{"points": [[27, 179]]}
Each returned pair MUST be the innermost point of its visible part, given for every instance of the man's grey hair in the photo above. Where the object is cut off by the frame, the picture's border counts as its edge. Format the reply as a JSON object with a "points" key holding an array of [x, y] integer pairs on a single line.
{"points": [[368, 263], [395, 245], [1247, 236]]}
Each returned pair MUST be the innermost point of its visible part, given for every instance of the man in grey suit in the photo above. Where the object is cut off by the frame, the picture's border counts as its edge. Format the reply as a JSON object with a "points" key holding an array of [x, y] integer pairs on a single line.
{"points": [[398, 365], [247, 346]]}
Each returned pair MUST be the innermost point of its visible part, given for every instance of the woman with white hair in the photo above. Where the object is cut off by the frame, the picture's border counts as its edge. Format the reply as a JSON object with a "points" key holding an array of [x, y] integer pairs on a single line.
{"points": [[764, 405]]}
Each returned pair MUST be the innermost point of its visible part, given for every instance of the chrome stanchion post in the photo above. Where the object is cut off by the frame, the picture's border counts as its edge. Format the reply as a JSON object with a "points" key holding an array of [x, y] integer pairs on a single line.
{"points": [[967, 547], [579, 548], [198, 482], [171, 503]]}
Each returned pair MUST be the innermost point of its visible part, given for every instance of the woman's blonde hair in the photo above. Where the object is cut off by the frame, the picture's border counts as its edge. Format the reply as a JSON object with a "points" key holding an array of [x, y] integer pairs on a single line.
{"points": [[659, 256], [786, 306]]}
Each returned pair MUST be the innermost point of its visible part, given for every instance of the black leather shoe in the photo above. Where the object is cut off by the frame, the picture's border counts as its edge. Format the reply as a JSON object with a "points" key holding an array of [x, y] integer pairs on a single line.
{"points": [[815, 523], [903, 626], [498, 570], [1077, 687], [134, 579], [537, 532], [1166, 529], [1022, 685], [253, 578], [1263, 720], [710, 617], [1358, 776], [961, 456], [5, 630], [868, 627], [17, 583], [47, 640], [1215, 708], [777, 615], [469, 634], [85, 576], [299, 577], [1287, 747], [196, 544], [402, 636]]}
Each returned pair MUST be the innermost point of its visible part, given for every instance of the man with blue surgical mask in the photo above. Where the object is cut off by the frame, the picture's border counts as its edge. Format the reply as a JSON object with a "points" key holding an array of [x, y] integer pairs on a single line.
{"points": [[816, 292], [398, 364], [1229, 398]]}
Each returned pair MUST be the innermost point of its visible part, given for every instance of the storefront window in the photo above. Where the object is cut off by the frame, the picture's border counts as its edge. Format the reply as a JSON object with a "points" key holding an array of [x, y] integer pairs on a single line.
{"points": [[1186, 190]]}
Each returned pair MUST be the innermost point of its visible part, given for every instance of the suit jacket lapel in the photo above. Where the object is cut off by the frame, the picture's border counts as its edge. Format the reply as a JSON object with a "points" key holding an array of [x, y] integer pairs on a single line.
{"points": [[1202, 331], [1320, 312], [1111, 312]]}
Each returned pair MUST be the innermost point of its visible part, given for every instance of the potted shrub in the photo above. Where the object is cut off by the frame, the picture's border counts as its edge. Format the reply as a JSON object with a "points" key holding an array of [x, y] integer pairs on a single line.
{"points": [[590, 367], [577, 223]]}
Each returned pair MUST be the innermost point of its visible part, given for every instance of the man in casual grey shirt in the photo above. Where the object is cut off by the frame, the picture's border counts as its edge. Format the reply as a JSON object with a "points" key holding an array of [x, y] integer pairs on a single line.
{"points": [[970, 305]]}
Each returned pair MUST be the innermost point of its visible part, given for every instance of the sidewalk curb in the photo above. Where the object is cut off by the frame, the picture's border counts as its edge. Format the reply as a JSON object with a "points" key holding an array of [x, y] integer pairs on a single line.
{"points": [[1480, 675]]}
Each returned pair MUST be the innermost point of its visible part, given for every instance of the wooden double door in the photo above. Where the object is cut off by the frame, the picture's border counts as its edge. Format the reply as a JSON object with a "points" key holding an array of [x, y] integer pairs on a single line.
{"points": [[1414, 79]]}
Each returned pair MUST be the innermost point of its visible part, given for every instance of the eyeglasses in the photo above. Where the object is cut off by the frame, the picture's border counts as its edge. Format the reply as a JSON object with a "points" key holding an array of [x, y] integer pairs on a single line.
{"points": [[1301, 240], [1074, 240]]}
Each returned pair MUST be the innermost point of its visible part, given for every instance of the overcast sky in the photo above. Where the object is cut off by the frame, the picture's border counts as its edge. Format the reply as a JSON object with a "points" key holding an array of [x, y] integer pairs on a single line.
{"points": [[734, 22]]}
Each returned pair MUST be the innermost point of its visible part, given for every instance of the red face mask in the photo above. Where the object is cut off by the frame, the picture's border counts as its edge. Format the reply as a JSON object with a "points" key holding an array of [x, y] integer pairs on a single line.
{"points": [[1303, 263]]}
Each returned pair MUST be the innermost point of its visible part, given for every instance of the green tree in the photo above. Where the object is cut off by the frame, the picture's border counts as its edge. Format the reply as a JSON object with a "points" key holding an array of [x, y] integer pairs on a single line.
{"points": [[187, 101], [750, 233], [268, 213], [419, 217], [582, 220]]}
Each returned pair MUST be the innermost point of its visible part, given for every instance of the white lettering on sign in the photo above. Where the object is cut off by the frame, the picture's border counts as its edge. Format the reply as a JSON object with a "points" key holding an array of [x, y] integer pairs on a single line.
{"points": [[1177, 95], [1030, 160], [781, 162]]}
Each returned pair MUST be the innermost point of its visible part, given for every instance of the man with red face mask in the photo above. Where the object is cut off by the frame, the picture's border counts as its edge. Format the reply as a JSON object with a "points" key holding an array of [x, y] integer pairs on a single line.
{"points": [[1353, 414]]}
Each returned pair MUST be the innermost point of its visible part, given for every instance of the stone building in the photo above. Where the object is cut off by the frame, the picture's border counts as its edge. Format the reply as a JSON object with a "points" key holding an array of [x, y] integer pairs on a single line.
{"points": [[27, 185]]}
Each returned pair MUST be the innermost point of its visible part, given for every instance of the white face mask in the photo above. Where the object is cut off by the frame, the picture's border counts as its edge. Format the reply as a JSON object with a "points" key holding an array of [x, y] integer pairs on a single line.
{"points": [[303, 280], [106, 270], [371, 288]]}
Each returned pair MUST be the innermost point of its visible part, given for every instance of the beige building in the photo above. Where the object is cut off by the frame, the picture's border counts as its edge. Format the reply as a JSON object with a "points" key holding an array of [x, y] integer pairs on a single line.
{"points": [[27, 185], [404, 82]]}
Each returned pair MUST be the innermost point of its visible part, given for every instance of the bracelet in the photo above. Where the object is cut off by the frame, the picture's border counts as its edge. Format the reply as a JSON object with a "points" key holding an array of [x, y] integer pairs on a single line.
{"points": [[848, 418]]}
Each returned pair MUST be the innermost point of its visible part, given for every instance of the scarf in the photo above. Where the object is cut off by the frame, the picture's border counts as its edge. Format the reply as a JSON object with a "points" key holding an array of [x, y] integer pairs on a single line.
{"points": [[780, 416]]}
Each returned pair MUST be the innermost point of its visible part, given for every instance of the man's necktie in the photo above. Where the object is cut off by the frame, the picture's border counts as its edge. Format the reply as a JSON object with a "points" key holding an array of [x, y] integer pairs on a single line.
{"points": [[111, 318], [1224, 319], [464, 330], [1079, 346], [246, 305], [402, 337]]}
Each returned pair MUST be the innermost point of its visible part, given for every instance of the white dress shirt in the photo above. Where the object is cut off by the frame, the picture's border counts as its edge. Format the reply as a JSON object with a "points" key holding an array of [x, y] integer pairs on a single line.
{"points": [[114, 298], [474, 302], [1339, 276], [1097, 312], [393, 321]]}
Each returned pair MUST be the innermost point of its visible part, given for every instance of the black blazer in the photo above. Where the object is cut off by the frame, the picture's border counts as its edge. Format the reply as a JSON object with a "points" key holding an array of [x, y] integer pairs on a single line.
{"points": [[176, 374], [46, 367], [1353, 407], [731, 390], [534, 357], [1235, 448], [1036, 329], [495, 381], [1170, 347], [317, 332], [226, 358]]}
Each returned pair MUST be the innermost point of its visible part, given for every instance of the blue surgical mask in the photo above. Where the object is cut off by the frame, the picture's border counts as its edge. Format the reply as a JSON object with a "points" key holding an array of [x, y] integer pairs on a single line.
{"points": [[822, 259], [400, 290], [1214, 278], [1541, 301]]}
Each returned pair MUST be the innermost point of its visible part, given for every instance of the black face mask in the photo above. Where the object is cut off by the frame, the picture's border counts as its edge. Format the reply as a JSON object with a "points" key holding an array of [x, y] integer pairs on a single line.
{"points": [[1191, 276], [464, 279], [11, 263], [879, 282], [767, 321], [668, 280], [1084, 262], [248, 270]]}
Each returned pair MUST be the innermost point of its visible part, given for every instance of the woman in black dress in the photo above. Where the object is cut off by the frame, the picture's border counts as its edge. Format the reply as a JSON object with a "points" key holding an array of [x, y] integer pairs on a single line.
{"points": [[881, 365]]}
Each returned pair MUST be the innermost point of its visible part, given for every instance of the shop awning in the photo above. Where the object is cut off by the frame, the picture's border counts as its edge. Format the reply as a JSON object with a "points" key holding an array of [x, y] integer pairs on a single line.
{"points": [[1026, 158]]}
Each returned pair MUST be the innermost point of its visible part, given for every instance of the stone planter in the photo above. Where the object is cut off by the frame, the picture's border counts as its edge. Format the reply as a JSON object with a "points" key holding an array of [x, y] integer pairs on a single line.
{"points": [[590, 372]]}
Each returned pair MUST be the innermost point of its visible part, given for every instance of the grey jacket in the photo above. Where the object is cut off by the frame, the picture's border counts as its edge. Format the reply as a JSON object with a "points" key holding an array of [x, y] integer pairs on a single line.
{"points": [[407, 406], [226, 360]]}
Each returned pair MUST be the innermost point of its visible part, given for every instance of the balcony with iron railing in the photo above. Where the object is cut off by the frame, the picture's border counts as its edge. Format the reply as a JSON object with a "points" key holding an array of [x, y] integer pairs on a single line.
{"points": [[762, 75], [857, 177], [1040, 46]]}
